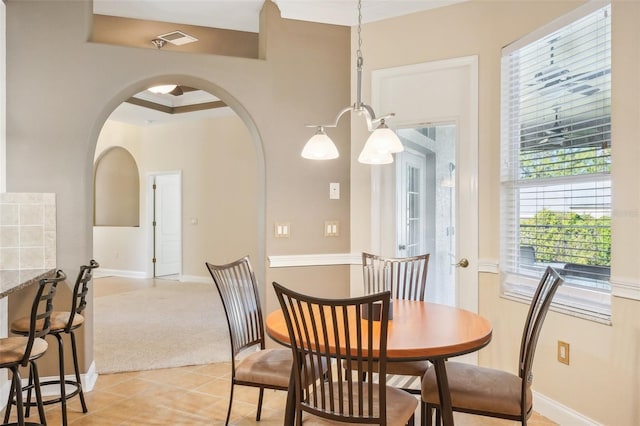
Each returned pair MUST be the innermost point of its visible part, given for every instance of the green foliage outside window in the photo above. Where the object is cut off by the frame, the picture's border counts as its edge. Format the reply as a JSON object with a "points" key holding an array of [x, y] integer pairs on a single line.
{"points": [[538, 164], [568, 237]]}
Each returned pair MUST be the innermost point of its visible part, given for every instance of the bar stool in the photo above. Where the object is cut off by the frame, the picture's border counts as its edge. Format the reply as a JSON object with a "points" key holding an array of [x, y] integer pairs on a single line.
{"points": [[22, 351], [65, 322]]}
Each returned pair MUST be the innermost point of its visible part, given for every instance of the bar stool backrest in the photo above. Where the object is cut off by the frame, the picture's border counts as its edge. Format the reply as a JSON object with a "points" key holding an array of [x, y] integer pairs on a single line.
{"points": [[80, 290], [41, 309]]}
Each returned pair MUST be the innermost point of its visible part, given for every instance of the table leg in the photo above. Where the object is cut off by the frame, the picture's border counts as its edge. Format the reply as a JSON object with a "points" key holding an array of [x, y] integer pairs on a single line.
{"points": [[443, 391], [290, 408]]}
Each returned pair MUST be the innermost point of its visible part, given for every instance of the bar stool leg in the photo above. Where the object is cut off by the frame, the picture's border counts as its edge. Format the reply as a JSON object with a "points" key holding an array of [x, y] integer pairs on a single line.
{"points": [[29, 388], [12, 391], [63, 395], [17, 383], [36, 384], [75, 365]]}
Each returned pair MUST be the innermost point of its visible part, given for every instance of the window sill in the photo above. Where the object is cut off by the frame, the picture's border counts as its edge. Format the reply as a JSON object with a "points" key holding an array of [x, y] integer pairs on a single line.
{"points": [[580, 303]]}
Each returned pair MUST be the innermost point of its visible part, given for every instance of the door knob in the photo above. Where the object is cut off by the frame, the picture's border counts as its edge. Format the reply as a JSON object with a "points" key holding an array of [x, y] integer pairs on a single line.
{"points": [[463, 263]]}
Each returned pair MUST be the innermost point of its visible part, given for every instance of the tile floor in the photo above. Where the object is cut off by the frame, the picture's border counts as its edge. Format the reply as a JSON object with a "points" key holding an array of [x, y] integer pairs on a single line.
{"points": [[187, 396], [196, 395]]}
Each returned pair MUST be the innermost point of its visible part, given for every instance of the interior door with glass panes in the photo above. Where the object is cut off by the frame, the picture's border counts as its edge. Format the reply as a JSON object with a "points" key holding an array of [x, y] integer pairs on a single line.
{"points": [[426, 201], [436, 118]]}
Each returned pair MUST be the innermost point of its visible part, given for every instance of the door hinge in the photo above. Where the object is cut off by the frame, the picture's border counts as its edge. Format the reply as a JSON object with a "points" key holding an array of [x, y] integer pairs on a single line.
{"points": [[153, 223], [153, 260], [154, 186]]}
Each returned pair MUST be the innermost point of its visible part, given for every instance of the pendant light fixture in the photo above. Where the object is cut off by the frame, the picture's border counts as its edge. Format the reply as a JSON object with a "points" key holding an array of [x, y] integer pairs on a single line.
{"points": [[163, 89], [381, 143]]}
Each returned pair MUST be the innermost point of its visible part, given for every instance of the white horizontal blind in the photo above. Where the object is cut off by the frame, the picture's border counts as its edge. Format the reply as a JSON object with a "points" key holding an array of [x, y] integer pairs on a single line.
{"points": [[556, 153]]}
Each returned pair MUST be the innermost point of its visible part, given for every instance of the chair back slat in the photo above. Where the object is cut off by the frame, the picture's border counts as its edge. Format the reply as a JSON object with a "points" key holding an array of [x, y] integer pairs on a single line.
{"points": [[238, 289], [538, 309], [80, 290], [405, 277], [330, 332], [41, 309]]}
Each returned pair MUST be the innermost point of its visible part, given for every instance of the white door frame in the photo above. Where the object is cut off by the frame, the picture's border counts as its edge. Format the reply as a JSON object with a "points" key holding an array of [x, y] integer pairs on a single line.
{"points": [[150, 201], [467, 296]]}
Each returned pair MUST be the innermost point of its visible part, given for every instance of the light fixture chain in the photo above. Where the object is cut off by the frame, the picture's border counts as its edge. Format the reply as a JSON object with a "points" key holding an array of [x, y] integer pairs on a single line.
{"points": [[381, 143], [359, 51]]}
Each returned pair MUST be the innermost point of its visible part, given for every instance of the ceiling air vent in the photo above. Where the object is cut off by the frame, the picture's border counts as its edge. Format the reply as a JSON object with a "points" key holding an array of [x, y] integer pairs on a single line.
{"points": [[178, 38]]}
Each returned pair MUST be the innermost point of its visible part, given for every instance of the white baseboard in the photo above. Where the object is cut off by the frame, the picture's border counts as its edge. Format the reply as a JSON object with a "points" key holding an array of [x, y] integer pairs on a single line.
{"points": [[100, 272], [89, 378], [4, 392], [559, 413], [140, 275], [88, 382]]}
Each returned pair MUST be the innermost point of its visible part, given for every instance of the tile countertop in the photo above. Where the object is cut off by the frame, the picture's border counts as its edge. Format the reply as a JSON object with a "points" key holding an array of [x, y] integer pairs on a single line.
{"points": [[16, 279]]}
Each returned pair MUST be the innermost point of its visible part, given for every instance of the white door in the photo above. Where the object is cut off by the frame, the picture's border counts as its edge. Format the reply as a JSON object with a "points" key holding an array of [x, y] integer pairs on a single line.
{"points": [[411, 203], [168, 232], [431, 101], [427, 211]]}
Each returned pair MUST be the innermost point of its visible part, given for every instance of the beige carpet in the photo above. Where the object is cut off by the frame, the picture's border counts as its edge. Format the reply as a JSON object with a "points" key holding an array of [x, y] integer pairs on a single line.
{"points": [[166, 324]]}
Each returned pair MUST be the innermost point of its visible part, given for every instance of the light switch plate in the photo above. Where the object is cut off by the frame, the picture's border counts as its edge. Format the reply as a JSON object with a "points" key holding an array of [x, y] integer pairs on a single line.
{"points": [[563, 352], [334, 191]]}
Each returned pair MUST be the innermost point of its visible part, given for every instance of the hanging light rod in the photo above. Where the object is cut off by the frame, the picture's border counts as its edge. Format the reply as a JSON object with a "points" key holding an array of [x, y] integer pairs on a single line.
{"points": [[381, 143]]}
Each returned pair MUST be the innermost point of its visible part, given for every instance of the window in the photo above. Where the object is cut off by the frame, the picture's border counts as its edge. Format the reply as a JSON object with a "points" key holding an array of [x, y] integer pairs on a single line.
{"points": [[556, 160]]}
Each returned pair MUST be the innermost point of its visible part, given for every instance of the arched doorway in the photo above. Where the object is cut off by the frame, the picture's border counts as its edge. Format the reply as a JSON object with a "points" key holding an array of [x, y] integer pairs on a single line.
{"points": [[222, 198]]}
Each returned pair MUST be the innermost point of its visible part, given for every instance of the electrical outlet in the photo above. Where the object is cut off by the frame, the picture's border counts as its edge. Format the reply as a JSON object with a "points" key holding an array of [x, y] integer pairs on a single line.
{"points": [[563, 352], [281, 230], [331, 228]]}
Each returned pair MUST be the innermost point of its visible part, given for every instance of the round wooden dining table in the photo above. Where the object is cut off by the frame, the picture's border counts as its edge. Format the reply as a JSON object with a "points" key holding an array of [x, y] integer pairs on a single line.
{"points": [[417, 331]]}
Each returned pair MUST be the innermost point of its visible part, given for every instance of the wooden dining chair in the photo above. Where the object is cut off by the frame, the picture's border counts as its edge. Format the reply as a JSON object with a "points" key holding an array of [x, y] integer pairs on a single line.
{"points": [[328, 332], [251, 364], [490, 392], [406, 278], [23, 351], [65, 322]]}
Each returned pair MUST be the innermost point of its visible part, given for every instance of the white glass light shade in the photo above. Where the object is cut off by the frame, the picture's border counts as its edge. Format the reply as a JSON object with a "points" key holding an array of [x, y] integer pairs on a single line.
{"points": [[384, 140], [320, 147], [381, 143], [374, 158], [163, 89]]}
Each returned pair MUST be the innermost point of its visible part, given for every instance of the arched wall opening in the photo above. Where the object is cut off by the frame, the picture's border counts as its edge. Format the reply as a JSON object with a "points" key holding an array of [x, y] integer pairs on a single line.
{"points": [[258, 162], [216, 156]]}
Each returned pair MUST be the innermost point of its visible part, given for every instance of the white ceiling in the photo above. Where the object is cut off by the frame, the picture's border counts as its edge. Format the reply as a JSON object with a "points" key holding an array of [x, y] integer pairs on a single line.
{"points": [[241, 15]]}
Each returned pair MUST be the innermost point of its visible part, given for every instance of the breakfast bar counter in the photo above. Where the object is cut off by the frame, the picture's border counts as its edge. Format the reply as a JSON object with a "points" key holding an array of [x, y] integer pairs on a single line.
{"points": [[16, 279]]}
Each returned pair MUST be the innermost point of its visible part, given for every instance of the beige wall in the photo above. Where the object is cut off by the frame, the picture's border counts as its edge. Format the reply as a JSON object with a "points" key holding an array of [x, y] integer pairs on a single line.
{"points": [[122, 248], [217, 160], [304, 78], [58, 100], [603, 380]]}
